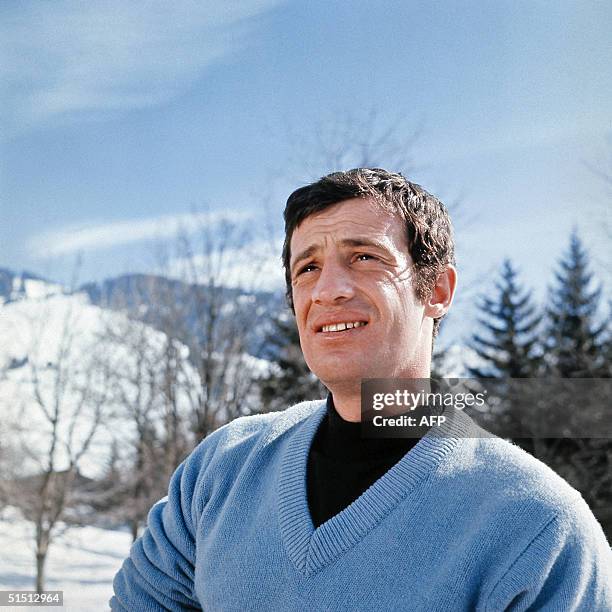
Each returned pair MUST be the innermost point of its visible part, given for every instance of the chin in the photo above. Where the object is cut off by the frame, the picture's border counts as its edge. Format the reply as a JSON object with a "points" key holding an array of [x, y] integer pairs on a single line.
{"points": [[341, 367], [342, 375]]}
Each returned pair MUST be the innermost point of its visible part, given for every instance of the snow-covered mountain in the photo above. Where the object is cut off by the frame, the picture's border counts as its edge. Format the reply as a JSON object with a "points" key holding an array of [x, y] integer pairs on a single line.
{"points": [[63, 357], [24, 285], [59, 357], [66, 363], [137, 292]]}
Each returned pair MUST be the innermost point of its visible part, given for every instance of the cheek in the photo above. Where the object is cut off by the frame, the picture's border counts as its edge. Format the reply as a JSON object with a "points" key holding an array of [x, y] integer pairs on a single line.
{"points": [[300, 306], [390, 296], [397, 301]]}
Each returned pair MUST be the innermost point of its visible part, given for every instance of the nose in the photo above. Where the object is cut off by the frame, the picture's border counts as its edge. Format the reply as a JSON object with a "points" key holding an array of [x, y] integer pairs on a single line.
{"points": [[334, 284]]}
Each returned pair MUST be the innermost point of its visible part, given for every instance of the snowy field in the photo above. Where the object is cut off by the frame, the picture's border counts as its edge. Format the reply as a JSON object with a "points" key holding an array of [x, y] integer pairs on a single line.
{"points": [[82, 563]]}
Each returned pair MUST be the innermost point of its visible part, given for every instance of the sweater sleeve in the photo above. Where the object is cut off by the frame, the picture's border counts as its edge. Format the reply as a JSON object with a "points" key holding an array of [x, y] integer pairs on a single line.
{"points": [[567, 566], [159, 572]]}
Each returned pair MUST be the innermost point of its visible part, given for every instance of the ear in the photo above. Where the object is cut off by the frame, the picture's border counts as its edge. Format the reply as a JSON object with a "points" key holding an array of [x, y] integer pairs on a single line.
{"points": [[442, 294]]}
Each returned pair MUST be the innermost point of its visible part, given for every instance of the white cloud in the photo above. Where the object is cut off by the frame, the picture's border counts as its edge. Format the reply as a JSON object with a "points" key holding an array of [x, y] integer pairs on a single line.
{"points": [[88, 237], [63, 57]]}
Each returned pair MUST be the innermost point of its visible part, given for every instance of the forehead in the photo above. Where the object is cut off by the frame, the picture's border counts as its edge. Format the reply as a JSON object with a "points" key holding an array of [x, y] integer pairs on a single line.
{"points": [[354, 218]]}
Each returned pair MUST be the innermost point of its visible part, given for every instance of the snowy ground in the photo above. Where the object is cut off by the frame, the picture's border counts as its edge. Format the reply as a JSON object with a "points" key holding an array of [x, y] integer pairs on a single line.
{"points": [[81, 563]]}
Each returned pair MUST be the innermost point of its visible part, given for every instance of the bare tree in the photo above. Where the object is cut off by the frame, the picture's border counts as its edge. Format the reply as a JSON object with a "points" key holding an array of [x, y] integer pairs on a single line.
{"points": [[62, 397], [10, 460], [352, 139], [147, 369], [213, 312]]}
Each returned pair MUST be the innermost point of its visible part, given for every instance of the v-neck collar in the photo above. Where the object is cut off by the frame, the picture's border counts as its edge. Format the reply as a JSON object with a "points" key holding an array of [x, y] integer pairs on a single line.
{"points": [[312, 549]]}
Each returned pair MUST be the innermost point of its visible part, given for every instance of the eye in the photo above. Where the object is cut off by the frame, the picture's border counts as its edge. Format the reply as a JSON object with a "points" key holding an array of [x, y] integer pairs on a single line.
{"points": [[364, 257], [306, 268]]}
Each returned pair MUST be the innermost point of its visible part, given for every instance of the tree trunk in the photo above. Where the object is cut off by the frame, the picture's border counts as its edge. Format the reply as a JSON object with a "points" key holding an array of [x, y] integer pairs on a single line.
{"points": [[41, 557]]}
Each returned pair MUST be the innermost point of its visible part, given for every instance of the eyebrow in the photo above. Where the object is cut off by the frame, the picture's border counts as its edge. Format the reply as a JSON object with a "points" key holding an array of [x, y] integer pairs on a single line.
{"points": [[346, 242]]}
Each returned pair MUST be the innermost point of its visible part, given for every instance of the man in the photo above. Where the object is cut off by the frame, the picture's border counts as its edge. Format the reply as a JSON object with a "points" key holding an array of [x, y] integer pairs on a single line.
{"points": [[295, 511]]}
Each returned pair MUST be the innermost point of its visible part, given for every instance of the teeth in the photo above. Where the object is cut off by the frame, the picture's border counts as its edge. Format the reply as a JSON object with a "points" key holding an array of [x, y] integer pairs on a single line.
{"points": [[342, 326]]}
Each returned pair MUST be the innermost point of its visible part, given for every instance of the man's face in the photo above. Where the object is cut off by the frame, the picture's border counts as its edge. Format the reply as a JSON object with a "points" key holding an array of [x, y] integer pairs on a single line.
{"points": [[350, 267]]}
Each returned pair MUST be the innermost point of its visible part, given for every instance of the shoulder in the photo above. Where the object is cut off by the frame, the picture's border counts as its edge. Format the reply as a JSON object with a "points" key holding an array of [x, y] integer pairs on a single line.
{"points": [[235, 440], [554, 542], [525, 481], [245, 432], [507, 479], [519, 493], [502, 473], [216, 462], [535, 532], [509, 468]]}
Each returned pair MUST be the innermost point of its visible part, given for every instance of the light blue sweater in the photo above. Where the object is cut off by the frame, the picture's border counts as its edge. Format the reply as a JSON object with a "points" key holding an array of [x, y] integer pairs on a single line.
{"points": [[457, 524]]}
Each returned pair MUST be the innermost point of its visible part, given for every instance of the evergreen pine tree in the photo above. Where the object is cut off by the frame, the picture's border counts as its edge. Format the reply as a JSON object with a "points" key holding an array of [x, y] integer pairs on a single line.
{"points": [[575, 341], [607, 348], [510, 346], [290, 381], [578, 346]]}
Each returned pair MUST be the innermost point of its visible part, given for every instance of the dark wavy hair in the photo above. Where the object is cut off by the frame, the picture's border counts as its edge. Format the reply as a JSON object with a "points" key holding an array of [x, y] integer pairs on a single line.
{"points": [[428, 226]]}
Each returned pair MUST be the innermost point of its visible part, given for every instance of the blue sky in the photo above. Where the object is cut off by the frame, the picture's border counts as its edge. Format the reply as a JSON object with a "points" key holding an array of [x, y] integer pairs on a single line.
{"points": [[119, 118]]}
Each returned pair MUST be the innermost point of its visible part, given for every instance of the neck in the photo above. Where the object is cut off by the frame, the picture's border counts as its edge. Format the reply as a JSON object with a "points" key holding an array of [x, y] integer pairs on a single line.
{"points": [[347, 397], [348, 405]]}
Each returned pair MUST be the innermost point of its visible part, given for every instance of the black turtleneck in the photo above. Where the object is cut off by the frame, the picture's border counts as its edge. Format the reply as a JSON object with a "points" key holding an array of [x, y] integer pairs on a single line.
{"points": [[342, 464]]}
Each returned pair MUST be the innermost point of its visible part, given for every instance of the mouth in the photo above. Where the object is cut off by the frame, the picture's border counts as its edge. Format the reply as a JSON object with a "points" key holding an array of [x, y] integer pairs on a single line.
{"points": [[339, 328]]}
